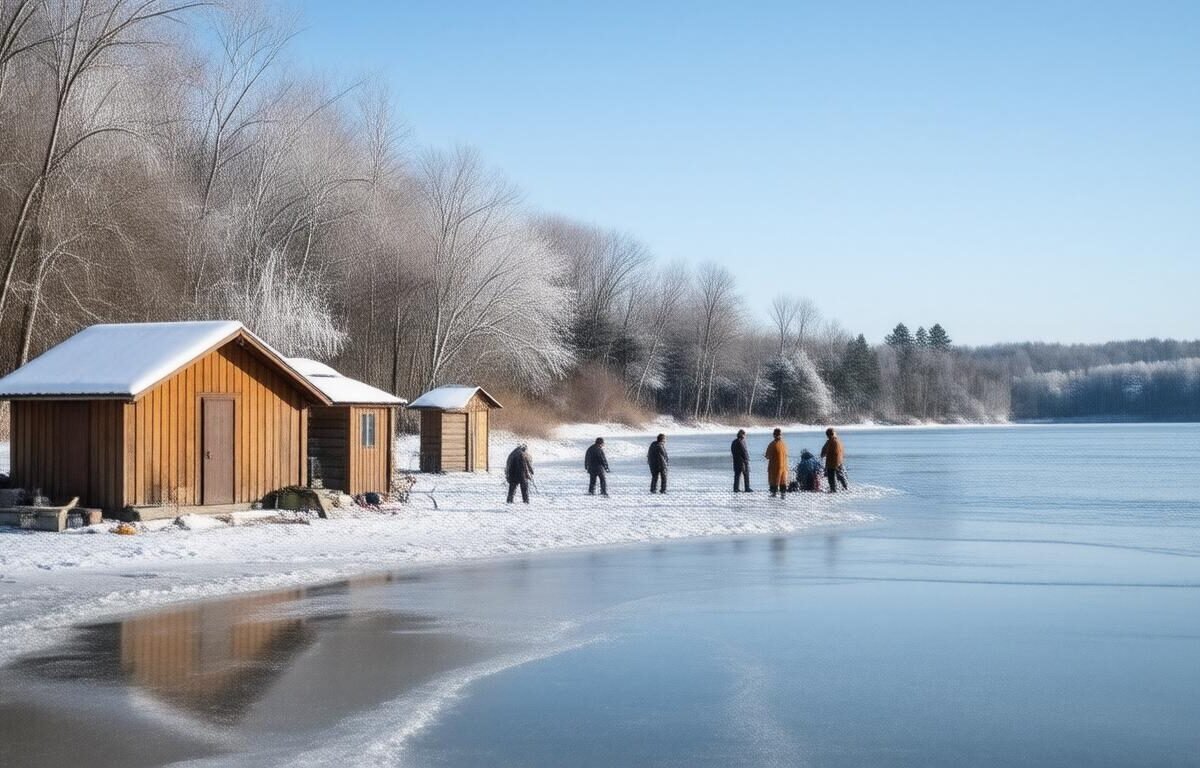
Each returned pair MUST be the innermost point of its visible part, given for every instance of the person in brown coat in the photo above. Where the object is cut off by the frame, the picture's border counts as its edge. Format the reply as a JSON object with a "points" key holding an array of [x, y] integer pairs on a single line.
{"points": [[834, 456], [777, 464]]}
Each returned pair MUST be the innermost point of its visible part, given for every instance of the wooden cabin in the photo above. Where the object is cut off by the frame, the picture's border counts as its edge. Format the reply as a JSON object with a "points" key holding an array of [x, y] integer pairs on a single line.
{"points": [[154, 414], [350, 446], [454, 428]]}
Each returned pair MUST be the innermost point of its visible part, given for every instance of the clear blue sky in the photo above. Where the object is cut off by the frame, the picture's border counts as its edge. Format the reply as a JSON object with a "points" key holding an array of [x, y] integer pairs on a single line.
{"points": [[1013, 170]]}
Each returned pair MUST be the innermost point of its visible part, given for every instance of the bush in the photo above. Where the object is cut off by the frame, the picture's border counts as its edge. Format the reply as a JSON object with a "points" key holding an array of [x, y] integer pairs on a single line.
{"points": [[522, 415], [594, 394], [591, 395]]}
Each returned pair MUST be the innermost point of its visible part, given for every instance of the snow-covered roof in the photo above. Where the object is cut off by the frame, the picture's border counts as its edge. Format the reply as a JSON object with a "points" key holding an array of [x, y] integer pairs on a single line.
{"points": [[342, 390], [126, 359], [452, 397]]}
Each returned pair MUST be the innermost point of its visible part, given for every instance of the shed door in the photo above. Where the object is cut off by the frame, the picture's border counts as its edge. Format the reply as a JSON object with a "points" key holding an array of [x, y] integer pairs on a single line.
{"points": [[73, 441], [481, 442], [454, 442], [216, 452]]}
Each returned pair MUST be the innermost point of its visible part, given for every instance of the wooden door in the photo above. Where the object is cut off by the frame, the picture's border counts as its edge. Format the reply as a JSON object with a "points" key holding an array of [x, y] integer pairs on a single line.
{"points": [[481, 442], [454, 442], [73, 444], [216, 451]]}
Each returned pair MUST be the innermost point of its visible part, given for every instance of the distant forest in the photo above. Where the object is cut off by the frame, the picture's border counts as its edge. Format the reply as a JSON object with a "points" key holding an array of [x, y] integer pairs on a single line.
{"points": [[167, 161]]}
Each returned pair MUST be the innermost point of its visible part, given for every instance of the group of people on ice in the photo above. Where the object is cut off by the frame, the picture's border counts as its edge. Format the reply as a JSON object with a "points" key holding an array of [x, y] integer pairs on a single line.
{"points": [[808, 471], [518, 470]]}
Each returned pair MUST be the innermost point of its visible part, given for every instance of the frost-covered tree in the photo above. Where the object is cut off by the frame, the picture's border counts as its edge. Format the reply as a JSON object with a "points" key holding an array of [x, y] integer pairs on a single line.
{"points": [[286, 310], [491, 285]]}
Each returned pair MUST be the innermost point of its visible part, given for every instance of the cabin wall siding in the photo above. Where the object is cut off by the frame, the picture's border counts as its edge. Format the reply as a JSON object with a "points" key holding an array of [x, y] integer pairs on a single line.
{"points": [[369, 467], [454, 442], [431, 441], [268, 411], [68, 448], [328, 438]]}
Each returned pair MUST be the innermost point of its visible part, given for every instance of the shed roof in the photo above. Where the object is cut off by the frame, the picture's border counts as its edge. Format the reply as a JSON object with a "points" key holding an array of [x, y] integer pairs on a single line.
{"points": [[340, 389], [123, 360], [452, 397]]}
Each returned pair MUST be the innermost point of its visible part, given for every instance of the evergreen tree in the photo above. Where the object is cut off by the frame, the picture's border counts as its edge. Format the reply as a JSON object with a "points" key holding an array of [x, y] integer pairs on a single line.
{"points": [[902, 342], [938, 338], [857, 379], [899, 339], [922, 339]]}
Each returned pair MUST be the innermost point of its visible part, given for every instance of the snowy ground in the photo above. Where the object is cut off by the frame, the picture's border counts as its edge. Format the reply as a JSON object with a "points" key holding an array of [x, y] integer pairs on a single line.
{"points": [[51, 581]]}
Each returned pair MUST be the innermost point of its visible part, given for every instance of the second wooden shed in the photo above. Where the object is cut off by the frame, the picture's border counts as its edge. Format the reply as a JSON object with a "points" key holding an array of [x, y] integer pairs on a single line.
{"points": [[454, 428], [350, 440]]}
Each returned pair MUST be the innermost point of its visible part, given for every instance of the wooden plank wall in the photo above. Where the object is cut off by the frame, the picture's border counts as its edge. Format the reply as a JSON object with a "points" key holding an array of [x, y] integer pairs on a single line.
{"points": [[431, 441], [369, 466], [270, 448], [480, 410], [480, 442], [69, 448], [454, 442], [328, 438]]}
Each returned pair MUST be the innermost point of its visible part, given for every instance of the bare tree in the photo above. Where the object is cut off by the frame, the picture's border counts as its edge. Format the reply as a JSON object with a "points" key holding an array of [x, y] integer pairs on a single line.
{"points": [[658, 312], [603, 267], [491, 283], [20, 33], [88, 38], [717, 314]]}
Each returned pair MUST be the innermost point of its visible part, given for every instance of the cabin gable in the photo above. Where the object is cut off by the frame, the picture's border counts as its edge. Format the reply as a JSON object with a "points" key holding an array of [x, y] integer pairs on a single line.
{"points": [[165, 456]]}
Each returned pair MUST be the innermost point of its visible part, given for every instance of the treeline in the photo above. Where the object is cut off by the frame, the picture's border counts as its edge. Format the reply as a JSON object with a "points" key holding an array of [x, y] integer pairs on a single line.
{"points": [[1041, 357], [1167, 390], [164, 160]]}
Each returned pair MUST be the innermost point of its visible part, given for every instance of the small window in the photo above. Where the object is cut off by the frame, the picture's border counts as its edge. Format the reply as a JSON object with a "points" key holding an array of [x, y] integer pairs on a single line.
{"points": [[368, 430]]}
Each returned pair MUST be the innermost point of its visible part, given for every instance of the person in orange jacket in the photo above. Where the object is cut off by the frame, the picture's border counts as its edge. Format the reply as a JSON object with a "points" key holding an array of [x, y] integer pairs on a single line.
{"points": [[835, 456], [777, 464]]}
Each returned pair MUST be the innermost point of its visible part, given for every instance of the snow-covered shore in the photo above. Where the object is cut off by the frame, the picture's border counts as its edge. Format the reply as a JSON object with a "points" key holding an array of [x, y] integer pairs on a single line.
{"points": [[49, 582]]}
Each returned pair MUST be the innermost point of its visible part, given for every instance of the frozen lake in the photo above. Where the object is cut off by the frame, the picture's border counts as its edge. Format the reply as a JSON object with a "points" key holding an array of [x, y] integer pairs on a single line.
{"points": [[1028, 596]]}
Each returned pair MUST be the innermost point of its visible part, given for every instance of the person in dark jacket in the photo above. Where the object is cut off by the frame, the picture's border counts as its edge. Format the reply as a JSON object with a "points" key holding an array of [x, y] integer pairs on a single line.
{"points": [[657, 458], [808, 471], [518, 470], [741, 461], [596, 464], [835, 456]]}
